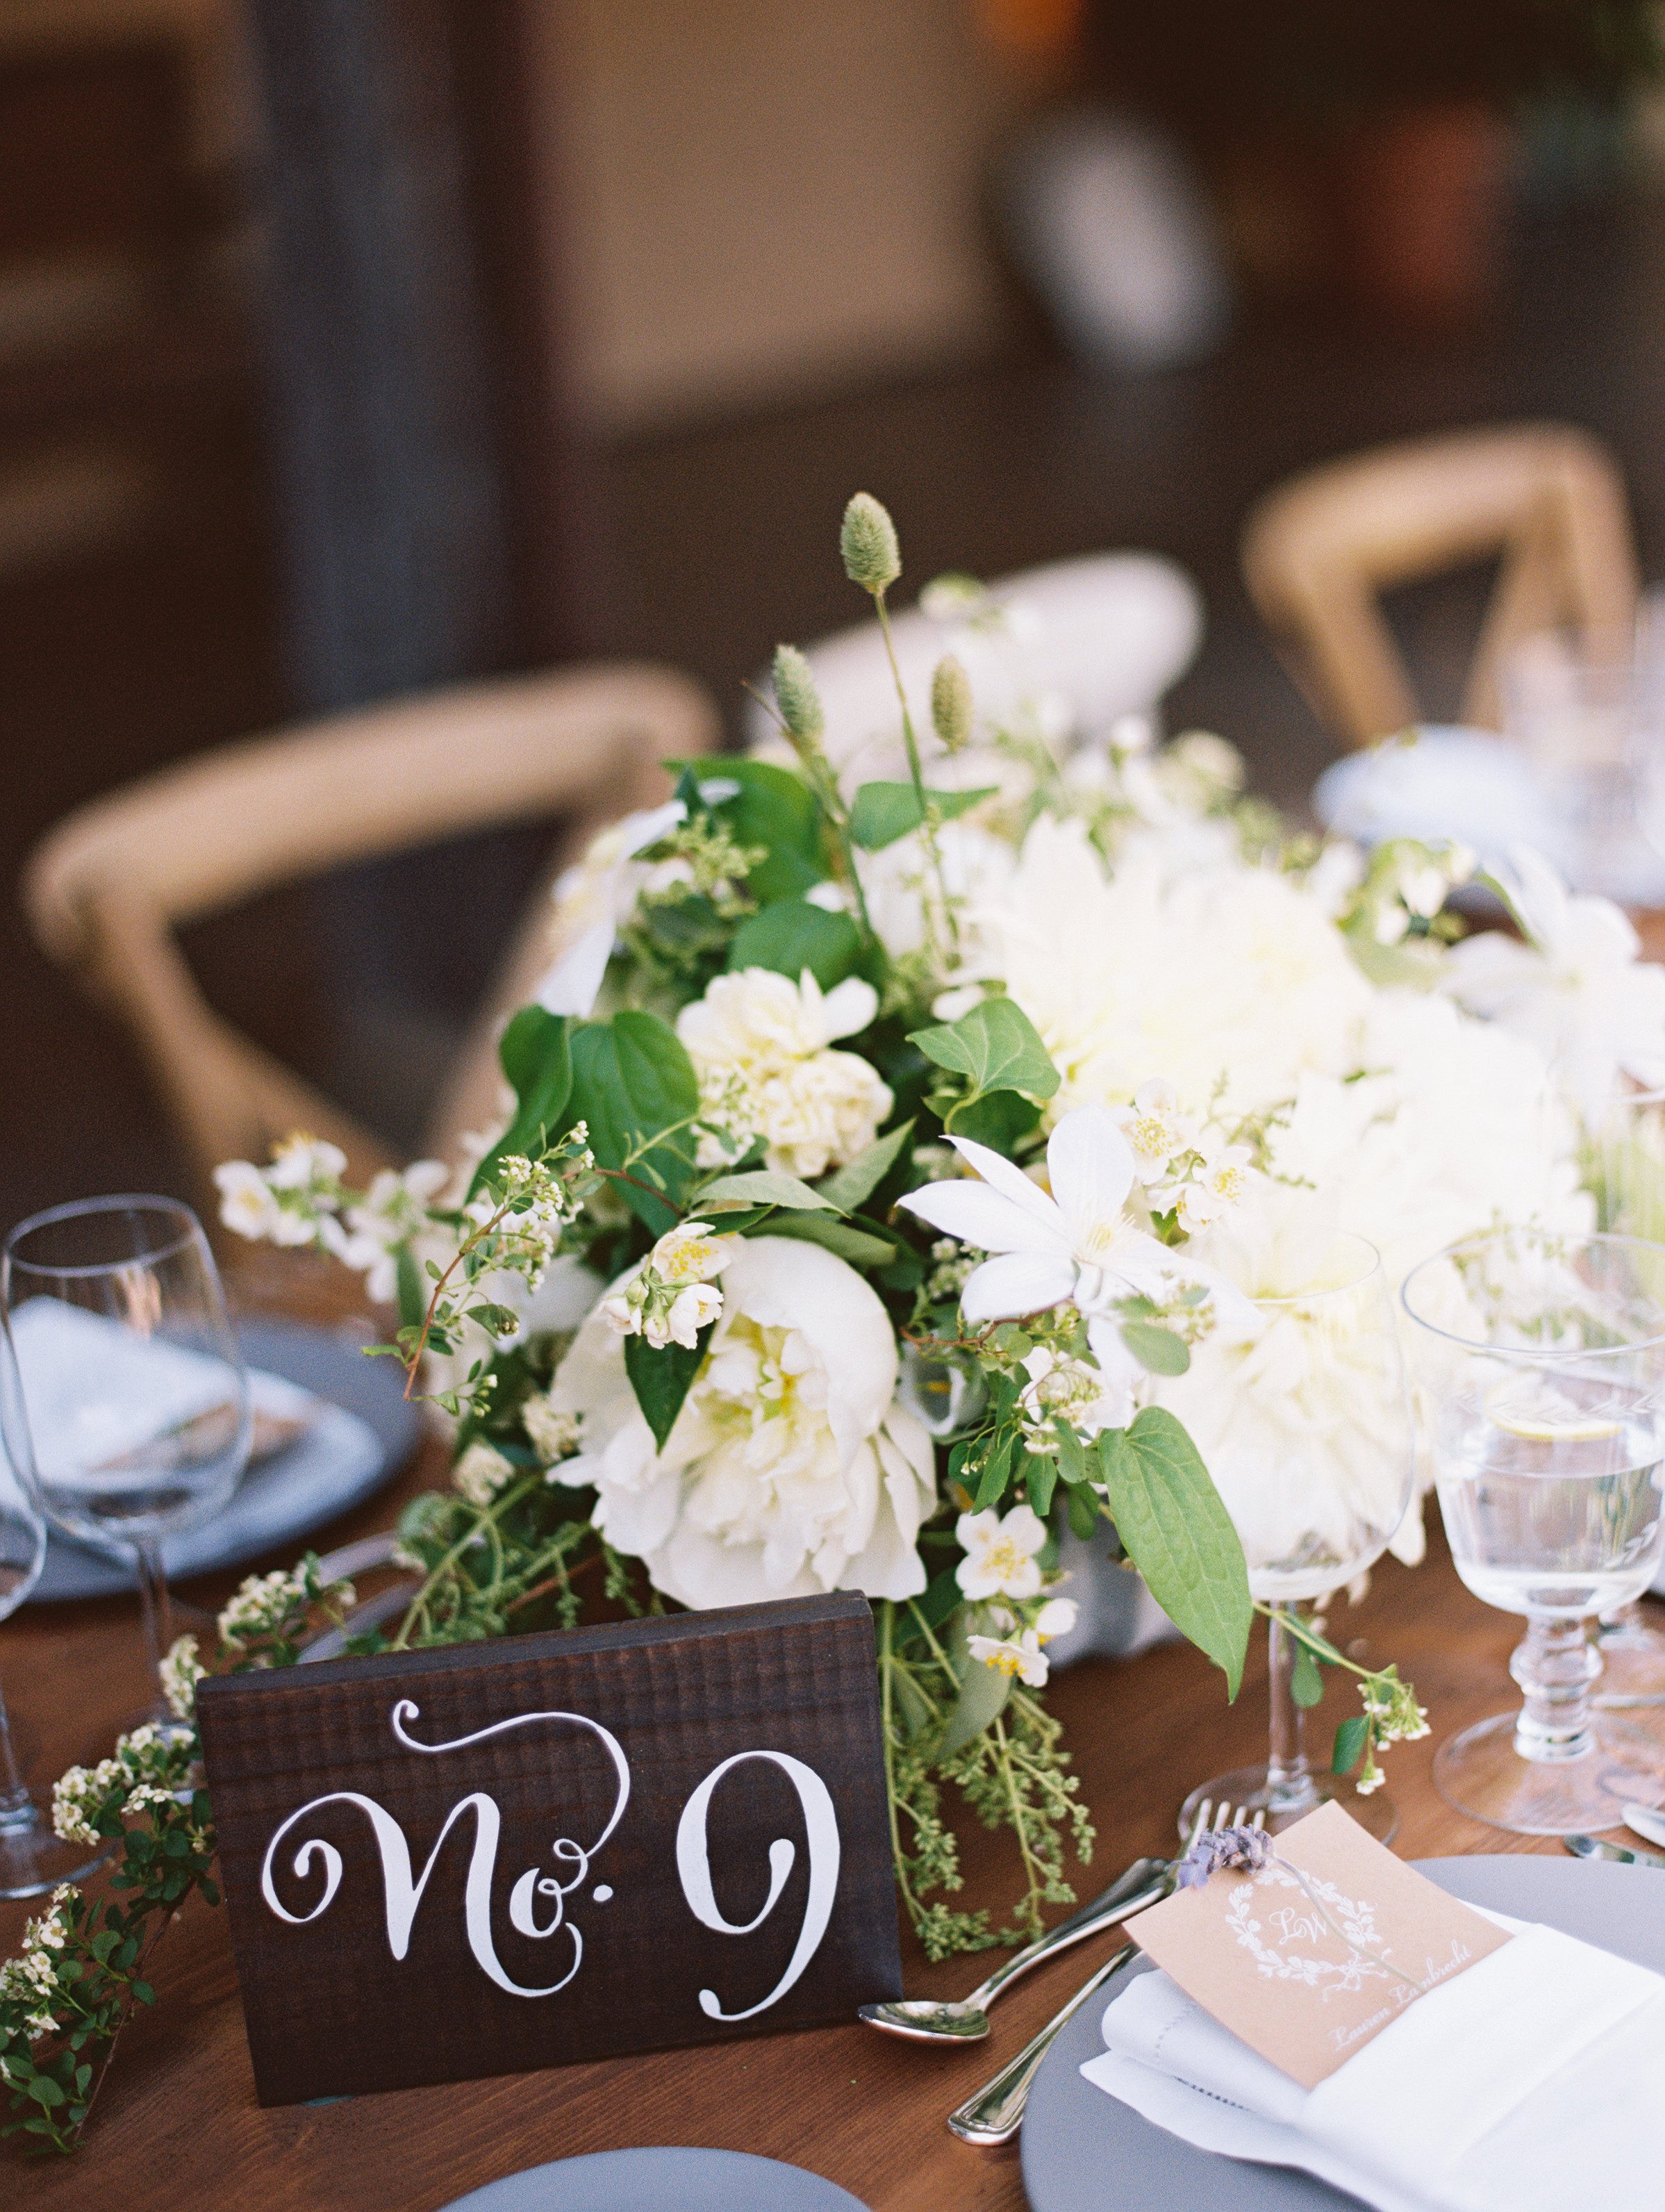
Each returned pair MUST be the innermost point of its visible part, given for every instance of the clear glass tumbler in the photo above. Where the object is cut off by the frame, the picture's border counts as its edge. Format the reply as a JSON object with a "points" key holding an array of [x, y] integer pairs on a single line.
{"points": [[1541, 1363], [1305, 1426], [128, 1408]]}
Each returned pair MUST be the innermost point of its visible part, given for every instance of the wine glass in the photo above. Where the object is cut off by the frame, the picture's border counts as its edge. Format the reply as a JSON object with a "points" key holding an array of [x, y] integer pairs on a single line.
{"points": [[129, 1406], [1541, 1357], [31, 1858], [1305, 1426], [1625, 1166]]}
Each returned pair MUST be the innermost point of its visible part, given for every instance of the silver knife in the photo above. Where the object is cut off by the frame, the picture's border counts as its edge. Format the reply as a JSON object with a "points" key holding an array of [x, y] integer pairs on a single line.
{"points": [[1644, 1821], [1592, 1847]]}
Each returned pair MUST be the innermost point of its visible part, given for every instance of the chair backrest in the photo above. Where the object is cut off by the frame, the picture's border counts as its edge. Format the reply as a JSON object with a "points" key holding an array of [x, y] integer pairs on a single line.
{"points": [[105, 890], [1318, 550]]}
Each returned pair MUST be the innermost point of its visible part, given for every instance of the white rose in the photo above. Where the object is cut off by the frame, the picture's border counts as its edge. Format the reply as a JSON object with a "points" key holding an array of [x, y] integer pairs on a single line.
{"points": [[759, 1045], [790, 1470]]}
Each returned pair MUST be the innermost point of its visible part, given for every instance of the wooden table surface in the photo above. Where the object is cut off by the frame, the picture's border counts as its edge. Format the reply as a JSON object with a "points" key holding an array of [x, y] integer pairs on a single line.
{"points": [[178, 2126]]}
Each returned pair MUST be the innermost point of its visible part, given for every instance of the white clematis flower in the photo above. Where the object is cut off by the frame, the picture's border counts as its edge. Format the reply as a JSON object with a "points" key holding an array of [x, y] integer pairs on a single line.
{"points": [[1076, 1247], [593, 899], [790, 1468], [1000, 1557], [1576, 989]]}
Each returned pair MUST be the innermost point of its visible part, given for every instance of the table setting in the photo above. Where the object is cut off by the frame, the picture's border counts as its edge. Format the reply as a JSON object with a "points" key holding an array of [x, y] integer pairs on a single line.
{"points": [[923, 1209]]}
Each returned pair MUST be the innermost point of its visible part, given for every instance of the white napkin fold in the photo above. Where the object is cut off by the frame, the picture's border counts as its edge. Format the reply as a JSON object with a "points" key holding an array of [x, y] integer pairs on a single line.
{"points": [[1530, 2083]]}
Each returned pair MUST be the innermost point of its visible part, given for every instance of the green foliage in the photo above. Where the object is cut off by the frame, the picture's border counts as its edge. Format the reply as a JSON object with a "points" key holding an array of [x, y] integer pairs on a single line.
{"points": [[1306, 1683], [882, 812], [765, 1187], [1178, 1533], [663, 1379], [1013, 1775], [1158, 1350], [791, 936], [536, 1053], [771, 807], [1350, 1738], [855, 1183], [633, 1086], [863, 1247], [995, 1047]]}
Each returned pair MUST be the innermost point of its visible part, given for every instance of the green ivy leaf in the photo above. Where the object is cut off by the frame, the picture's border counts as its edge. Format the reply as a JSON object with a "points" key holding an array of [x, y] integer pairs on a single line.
{"points": [[631, 1080], [536, 1053], [996, 1045], [852, 1185], [882, 812], [762, 1187], [1041, 1474], [1306, 1681], [773, 807], [851, 1241], [1157, 1349], [998, 1119], [1178, 1533], [1350, 1739], [662, 1379], [792, 935]]}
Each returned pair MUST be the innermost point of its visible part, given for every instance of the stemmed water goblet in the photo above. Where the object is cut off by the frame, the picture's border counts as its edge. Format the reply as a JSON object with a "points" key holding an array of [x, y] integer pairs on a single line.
{"points": [[127, 1405], [1305, 1425], [1540, 1362], [1624, 1149], [31, 1858]]}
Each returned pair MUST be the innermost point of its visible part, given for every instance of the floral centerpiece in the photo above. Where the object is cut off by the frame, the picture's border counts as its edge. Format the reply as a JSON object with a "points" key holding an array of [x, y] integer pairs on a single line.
{"points": [[887, 1181]]}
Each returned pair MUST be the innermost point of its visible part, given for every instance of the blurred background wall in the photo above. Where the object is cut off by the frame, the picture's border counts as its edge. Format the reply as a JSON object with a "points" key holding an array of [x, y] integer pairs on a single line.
{"points": [[349, 346]]}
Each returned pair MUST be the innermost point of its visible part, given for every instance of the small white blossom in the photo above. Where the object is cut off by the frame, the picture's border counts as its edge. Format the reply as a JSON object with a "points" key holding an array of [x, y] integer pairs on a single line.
{"points": [[1021, 1656], [181, 1671], [1056, 1617], [1000, 1554], [554, 1433], [671, 1296], [480, 1474], [1071, 1390], [1155, 1129], [392, 1211]]}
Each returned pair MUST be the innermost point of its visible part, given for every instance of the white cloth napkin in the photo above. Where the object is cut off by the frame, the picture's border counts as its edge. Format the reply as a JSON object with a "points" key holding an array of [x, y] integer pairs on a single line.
{"points": [[99, 1394], [1532, 2082]]}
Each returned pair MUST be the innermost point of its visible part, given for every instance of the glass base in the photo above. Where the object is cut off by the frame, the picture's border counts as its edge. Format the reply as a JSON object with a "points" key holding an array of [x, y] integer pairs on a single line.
{"points": [[34, 1859], [1480, 1773], [1632, 1664], [1247, 1786]]}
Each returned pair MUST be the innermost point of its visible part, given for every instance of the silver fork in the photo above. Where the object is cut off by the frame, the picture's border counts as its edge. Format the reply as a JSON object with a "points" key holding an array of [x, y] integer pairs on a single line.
{"points": [[995, 2113]]}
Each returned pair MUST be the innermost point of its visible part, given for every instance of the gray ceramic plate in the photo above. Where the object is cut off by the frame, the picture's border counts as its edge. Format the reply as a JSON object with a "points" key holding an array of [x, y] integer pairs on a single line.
{"points": [[364, 1430], [660, 2181], [1084, 2151]]}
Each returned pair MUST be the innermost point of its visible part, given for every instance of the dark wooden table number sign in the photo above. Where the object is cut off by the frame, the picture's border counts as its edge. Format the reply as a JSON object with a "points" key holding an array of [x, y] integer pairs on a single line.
{"points": [[504, 1856]]}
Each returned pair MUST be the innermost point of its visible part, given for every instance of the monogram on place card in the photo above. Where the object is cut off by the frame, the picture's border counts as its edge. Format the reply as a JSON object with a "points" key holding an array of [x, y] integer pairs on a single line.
{"points": [[1307, 1962]]}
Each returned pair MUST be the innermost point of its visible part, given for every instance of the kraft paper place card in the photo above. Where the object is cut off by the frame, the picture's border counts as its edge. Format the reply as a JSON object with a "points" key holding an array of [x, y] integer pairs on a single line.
{"points": [[1307, 1961]]}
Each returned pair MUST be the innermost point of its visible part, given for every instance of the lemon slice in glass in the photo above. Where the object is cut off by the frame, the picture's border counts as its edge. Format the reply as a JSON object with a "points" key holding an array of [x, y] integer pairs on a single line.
{"points": [[1539, 1413]]}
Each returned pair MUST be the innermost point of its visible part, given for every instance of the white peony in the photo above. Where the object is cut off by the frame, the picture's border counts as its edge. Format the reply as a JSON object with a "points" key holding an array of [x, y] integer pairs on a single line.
{"points": [[760, 1043], [790, 1468]]}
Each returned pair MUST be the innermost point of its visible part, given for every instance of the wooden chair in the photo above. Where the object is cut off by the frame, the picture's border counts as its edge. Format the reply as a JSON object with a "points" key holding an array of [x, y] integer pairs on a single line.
{"points": [[107, 889], [1318, 550]]}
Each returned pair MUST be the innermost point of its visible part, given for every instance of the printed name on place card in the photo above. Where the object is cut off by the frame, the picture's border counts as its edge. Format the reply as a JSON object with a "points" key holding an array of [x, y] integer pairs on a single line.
{"points": [[1309, 1960]]}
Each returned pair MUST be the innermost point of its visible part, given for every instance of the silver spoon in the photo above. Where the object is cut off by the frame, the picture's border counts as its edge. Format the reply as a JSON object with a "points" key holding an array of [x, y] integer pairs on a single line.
{"points": [[965, 2019], [995, 2113]]}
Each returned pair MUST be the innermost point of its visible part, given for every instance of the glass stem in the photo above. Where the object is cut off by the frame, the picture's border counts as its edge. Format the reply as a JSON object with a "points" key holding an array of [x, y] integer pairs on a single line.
{"points": [[1290, 1789], [1555, 1667], [16, 1811], [153, 1601]]}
